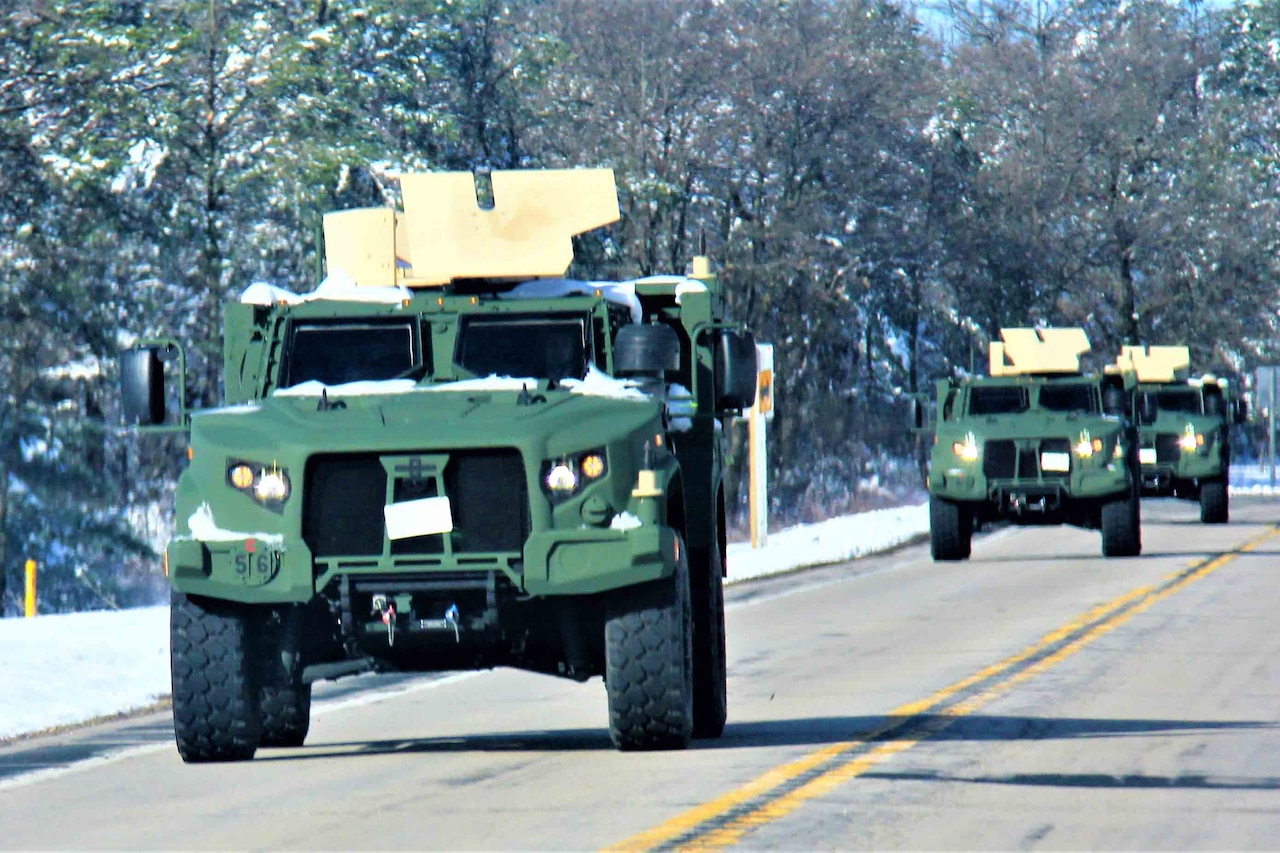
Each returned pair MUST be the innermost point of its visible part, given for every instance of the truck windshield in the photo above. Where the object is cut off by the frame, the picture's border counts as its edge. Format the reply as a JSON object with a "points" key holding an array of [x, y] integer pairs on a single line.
{"points": [[1186, 401], [997, 400], [334, 353], [546, 347], [1074, 397]]}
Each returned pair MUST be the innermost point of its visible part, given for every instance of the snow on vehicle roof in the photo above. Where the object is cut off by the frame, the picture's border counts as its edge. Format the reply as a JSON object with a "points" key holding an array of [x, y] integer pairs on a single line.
{"points": [[683, 284], [618, 292], [337, 286]]}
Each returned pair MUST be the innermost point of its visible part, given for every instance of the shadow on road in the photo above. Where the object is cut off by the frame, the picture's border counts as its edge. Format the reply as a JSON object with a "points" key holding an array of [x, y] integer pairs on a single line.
{"points": [[810, 731], [1093, 780], [817, 731]]}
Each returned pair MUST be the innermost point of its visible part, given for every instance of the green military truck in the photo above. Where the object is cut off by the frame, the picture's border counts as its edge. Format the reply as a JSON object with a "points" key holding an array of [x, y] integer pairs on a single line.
{"points": [[448, 457], [1036, 442], [1184, 429]]}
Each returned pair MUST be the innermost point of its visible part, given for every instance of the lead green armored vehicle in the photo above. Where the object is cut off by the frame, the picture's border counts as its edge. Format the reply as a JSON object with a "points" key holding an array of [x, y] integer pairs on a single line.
{"points": [[1184, 425], [448, 457], [1036, 442]]}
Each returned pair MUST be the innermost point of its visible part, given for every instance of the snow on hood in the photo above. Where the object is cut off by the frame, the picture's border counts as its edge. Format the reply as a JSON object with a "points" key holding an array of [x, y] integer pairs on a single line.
{"points": [[600, 384], [337, 285], [618, 292], [489, 383], [362, 388], [597, 384], [205, 529]]}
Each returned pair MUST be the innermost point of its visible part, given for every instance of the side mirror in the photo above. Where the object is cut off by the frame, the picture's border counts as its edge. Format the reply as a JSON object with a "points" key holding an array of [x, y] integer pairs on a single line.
{"points": [[1215, 405], [649, 350], [142, 387], [922, 413], [735, 368], [1148, 408], [1240, 410], [1114, 401]]}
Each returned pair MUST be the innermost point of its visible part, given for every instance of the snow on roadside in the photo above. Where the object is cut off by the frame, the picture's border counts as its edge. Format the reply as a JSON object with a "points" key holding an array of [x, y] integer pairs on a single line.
{"points": [[64, 669], [67, 668], [830, 541]]}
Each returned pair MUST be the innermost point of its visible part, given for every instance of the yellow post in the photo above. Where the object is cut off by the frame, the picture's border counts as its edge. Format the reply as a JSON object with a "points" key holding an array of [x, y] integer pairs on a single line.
{"points": [[31, 588]]}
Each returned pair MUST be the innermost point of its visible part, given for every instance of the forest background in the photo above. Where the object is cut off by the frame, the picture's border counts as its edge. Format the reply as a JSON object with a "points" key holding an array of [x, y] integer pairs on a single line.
{"points": [[880, 195]]}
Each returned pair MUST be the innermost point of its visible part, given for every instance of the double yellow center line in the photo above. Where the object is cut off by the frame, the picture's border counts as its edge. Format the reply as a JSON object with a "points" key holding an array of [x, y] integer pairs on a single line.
{"points": [[778, 792]]}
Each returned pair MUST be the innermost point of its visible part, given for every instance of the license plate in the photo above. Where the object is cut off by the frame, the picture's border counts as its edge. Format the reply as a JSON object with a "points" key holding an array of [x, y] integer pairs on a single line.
{"points": [[1147, 455], [1050, 461], [422, 517]]}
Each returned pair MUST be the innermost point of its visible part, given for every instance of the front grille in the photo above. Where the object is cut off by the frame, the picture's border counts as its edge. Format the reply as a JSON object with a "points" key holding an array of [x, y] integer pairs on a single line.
{"points": [[342, 505], [344, 496], [1007, 459], [1167, 449], [999, 459], [489, 499]]}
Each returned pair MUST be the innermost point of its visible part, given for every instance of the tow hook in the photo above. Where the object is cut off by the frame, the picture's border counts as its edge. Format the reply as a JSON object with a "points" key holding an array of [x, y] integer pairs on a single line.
{"points": [[387, 610]]}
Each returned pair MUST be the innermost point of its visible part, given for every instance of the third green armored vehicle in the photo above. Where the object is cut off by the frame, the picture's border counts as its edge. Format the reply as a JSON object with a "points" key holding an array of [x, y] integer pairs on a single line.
{"points": [[448, 456], [1036, 442], [1184, 425]]}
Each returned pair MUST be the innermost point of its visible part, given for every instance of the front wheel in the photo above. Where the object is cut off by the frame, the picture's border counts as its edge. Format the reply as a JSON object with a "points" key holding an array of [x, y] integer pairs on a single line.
{"points": [[648, 639], [950, 529], [1121, 527], [215, 712], [1213, 502]]}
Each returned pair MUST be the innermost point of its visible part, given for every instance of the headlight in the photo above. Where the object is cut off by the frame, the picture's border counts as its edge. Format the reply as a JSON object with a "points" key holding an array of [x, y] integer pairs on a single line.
{"points": [[561, 478], [267, 484], [1086, 446], [966, 450], [1190, 440], [565, 477]]}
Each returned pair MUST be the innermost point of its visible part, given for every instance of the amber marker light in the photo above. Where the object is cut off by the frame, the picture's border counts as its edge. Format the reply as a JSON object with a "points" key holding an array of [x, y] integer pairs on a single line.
{"points": [[242, 476], [593, 466]]}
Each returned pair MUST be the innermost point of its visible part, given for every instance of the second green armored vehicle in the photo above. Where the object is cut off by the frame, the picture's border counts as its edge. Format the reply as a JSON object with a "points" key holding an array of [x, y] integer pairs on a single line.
{"points": [[1185, 429], [1036, 442], [448, 456]]}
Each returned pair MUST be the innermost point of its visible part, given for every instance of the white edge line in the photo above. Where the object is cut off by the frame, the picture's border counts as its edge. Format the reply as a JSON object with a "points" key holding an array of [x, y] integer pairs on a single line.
{"points": [[47, 774]]}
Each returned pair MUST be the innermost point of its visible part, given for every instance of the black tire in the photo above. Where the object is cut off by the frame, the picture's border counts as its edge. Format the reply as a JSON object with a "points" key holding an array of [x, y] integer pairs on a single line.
{"points": [[648, 638], [950, 529], [1121, 527], [284, 702], [215, 712], [710, 672], [1214, 502]]}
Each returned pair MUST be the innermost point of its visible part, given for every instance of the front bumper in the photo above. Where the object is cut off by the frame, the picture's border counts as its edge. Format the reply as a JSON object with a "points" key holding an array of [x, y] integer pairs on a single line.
{"points": [[554, 562]]}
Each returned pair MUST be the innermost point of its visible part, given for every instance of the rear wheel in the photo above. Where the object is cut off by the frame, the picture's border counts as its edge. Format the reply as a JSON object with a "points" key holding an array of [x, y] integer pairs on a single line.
{"points": [[284, 702], [950, 529], [649, 663], [1121, 527], [215, 712], [1213, 502], [710, 694]]}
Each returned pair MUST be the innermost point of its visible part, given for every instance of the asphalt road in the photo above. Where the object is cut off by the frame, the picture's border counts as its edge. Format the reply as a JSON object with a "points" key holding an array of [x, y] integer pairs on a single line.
{"points": [[1037, 696]]}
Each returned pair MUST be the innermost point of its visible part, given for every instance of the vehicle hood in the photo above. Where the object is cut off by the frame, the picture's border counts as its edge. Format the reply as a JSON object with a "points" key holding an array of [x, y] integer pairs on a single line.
{"points": [[1038, 425], [404, 417]]}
